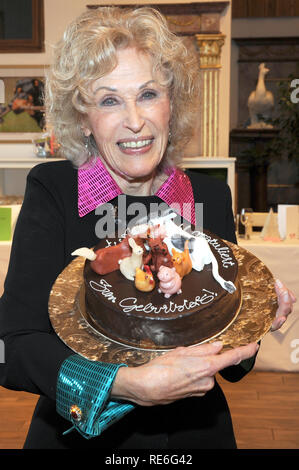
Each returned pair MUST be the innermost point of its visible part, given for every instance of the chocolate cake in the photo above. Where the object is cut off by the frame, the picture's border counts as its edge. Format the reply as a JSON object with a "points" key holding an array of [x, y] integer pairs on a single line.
{"points": [[204, 308]]}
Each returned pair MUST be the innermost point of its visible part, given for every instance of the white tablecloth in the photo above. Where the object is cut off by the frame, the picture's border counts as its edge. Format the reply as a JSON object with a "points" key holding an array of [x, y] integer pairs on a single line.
{"points": [[279, 350]]}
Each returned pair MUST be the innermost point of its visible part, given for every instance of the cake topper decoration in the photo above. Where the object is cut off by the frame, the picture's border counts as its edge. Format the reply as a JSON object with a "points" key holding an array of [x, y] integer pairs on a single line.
{"points": [[144, 279], [182, 261], [170, 281], [199, 249], [129, 264], [158, 254], [106, 260]]}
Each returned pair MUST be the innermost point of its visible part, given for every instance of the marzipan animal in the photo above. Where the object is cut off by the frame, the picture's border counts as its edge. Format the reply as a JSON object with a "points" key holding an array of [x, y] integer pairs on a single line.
{"points": [[159, 254], [106, 260], [129, 264], [170, 281], [182, 261], [144, 280]]}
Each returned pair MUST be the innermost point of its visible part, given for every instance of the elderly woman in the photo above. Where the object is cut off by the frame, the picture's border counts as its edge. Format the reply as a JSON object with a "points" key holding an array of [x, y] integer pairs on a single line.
{"points": [[121, 97]]}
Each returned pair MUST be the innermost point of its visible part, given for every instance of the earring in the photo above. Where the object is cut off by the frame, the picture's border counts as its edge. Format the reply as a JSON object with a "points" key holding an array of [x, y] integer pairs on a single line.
{"points": [[87, 145]]}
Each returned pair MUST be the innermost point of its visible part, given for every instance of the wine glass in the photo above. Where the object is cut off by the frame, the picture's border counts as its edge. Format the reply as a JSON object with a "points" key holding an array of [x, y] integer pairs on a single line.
{"points": [[237, 221]]}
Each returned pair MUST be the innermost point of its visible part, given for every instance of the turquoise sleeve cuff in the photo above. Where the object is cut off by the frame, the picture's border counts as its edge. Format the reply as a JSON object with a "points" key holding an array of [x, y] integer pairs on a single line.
{"points": [[83, 395]]}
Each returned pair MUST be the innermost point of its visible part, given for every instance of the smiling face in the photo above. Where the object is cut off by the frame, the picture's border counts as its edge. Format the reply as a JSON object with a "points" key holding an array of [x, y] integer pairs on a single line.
{"points": [[130, 122]]}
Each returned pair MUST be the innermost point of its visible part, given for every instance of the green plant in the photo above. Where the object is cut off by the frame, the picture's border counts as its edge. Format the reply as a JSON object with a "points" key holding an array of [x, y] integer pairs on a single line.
{"points": [[258, 155], [287, 141]]}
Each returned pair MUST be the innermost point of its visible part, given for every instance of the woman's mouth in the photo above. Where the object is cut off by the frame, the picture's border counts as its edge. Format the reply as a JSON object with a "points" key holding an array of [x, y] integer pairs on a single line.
{"points": [[135, 146]]}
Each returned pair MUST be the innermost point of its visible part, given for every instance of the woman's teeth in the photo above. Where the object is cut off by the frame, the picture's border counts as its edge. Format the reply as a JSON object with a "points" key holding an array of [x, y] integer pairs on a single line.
{"points": [[135, 144]]}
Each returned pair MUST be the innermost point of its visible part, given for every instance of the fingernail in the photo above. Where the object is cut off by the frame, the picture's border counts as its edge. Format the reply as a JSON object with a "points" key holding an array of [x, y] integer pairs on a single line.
{"points": [[217, 344], [281, 323], [286, 297], [279, 283], [293, 297]]}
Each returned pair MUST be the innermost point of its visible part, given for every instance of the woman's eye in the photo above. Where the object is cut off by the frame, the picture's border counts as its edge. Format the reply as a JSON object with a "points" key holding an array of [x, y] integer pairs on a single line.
{"points": [[110, 101], [148, 95]]}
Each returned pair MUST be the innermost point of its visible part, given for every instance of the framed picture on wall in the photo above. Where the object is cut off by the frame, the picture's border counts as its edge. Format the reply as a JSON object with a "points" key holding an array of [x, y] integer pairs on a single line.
{"points": [[23, 110], [21, 26]]}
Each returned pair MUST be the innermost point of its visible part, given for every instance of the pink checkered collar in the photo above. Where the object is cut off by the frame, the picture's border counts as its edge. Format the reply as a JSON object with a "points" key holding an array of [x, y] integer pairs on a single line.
{"points": [[96, 186]]}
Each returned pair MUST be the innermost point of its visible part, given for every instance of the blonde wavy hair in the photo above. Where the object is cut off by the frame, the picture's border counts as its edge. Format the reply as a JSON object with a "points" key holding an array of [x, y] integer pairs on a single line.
{"points": [[88, 51]]}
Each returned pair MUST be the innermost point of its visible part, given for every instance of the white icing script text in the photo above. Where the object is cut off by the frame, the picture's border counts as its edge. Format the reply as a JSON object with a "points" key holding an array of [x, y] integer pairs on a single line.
{"points": [[102, 287], [130, 303], [223, 251]]}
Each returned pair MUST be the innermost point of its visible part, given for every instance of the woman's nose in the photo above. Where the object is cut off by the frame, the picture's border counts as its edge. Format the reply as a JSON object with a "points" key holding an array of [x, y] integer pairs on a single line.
{"points": [[133, 118]]}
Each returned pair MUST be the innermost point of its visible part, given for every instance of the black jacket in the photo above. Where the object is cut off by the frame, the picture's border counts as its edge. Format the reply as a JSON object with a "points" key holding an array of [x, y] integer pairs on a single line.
{"points": [[48, 230]]}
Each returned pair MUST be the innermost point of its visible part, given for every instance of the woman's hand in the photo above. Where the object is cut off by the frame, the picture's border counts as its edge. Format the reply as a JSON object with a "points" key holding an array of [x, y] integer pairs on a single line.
{"points": [[286, 299], [181, 373]]}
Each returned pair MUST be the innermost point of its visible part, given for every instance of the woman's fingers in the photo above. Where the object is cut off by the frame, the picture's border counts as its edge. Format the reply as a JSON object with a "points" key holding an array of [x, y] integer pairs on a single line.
{"points": [[283, 293], [204, 385], [178, 374], [232, 357], [285, 299], [213, 361], [200, 350]]}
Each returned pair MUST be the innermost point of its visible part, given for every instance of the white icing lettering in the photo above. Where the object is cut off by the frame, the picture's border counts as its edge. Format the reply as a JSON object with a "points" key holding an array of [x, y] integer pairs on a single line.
{"points": [[208, 296], [129, 304], [228, 263], [102, 287], [226, 259]]}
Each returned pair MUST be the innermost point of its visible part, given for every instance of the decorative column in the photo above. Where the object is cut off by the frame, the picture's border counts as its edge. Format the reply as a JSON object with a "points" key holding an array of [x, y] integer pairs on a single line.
{"points": [[209, 46]]}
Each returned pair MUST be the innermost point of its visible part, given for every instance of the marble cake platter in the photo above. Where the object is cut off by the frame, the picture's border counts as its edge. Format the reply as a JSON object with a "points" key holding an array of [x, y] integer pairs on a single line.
{"points": [[251, 322]]}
